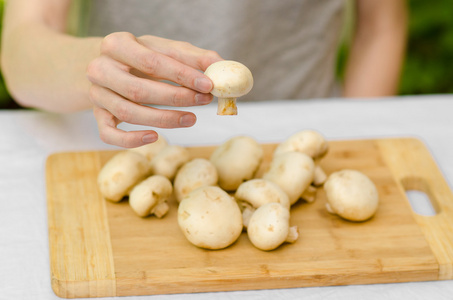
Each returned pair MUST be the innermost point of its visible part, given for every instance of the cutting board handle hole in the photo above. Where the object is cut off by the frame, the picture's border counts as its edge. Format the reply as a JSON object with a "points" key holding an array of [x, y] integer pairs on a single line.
{"points": [[420, 197]]}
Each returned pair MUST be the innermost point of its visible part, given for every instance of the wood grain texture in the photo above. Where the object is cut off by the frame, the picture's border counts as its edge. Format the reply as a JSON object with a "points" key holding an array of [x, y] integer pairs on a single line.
{"points": [[98, 248], [80, 247]]}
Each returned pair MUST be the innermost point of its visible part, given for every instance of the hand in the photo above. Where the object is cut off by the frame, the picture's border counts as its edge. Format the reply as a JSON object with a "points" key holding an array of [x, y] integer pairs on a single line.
{"points": [[127, 75]]}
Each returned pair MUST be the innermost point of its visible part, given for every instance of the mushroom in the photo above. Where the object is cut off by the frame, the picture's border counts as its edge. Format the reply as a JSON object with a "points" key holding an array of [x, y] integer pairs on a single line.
{"points": [[118, 176], [151, 150], [150, 196], [254, 193], [293, 172], [351, 195], [309, 194], [310, 142], [236, 161], [231, 80], [306, 141], [194, 174], [169, 160], [210, 218], [269, 227], [320, 176]]}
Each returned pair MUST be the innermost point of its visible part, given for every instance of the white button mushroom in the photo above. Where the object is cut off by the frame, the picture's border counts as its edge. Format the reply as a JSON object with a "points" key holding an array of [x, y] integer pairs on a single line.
{"points": [[254, 193], [210, 218], [150, 196], [151, 150], [351, 195], [194, 174], [310, 142], [169, 160], [118, 176], [269, 227], [236, 161], [306, 141], [231, 80], [293, 172]]}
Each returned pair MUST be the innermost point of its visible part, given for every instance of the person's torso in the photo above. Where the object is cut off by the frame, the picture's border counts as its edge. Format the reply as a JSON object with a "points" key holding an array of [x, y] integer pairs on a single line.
{"points": [[290, 46]]}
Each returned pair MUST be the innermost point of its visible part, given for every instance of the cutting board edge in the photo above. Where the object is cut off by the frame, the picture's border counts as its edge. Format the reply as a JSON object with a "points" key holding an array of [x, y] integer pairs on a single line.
{"points": [[426, 177], [101, 283]]}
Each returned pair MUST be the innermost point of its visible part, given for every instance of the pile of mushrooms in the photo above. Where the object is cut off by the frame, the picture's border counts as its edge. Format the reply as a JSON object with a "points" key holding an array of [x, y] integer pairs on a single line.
{"points": [[143, 175], [220, 197]]}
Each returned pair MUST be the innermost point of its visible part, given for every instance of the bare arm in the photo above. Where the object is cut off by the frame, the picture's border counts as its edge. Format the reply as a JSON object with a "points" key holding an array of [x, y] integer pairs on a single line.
{"points": [[115, 75], [378, 48], [43, 67]]}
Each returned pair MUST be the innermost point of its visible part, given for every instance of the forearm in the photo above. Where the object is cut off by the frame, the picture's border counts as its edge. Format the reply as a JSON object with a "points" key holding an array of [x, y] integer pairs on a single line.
{"points": [[46, 69], [376, 57]]}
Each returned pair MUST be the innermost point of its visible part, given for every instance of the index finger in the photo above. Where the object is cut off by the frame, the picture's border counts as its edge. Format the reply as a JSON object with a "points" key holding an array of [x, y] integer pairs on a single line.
{"points": [[187, 53], [125, 48]]}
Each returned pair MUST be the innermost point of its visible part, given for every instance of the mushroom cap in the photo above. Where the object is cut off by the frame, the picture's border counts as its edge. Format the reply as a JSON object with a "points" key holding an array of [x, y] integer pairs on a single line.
{"points": [[210, 218], [231, 79], [293, 172], [268, 227], [151, 150], [258, 192], [194, 174], [351, 195], [121, 173], [149, 193], [169, 160], [307, 141], [236, 161]]}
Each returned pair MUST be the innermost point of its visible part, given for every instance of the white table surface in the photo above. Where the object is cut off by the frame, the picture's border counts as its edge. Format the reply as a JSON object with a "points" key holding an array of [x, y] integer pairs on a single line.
{"points": [[28, 137]]}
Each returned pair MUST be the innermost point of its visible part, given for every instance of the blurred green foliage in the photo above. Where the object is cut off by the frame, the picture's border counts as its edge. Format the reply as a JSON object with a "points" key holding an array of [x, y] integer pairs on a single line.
{"points": [[429, 57], [428, 68]]}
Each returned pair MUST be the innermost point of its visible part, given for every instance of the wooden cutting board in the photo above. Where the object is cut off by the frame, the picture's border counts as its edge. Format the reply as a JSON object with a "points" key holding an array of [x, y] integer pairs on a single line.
{"points": [[98, 248]]}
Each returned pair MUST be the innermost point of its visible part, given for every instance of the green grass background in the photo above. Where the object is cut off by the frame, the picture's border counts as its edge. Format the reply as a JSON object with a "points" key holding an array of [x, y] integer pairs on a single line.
{"points": [[428, 67]]}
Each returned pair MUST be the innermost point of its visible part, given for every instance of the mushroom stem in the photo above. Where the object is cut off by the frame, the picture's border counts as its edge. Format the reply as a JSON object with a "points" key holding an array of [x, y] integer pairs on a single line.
{"points": [[161, 210], [246, 215], [227, 106], [293, 234], [309, 194], [319, 176]]}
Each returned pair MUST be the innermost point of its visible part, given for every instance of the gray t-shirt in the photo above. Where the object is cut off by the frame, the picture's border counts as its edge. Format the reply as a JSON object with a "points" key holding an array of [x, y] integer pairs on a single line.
{"points": [[290, 45]]}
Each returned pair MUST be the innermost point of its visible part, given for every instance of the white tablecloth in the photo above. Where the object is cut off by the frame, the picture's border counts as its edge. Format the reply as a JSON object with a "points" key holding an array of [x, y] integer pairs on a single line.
{"points": [[28, 137]]}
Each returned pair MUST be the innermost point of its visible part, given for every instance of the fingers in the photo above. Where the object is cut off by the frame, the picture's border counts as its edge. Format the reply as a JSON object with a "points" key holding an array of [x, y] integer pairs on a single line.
{"points": [[111, 135], [187, 53], [125, 48], [133, 113], [126, 75], [112, 74]]}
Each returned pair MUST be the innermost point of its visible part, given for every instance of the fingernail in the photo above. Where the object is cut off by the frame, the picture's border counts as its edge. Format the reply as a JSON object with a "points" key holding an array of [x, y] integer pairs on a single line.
{"points": [[149, 138], [203, 84], [203, 98], [187, 120]]}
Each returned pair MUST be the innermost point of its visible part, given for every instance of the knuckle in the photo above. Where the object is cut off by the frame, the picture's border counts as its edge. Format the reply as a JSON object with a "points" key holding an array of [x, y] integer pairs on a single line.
{"points": [[178, 98], [150, 63], [93, 70], [135, 92], [128, 141], [181, 75], [112, 41], [123, 113], [164, 120], [104, 136]]}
